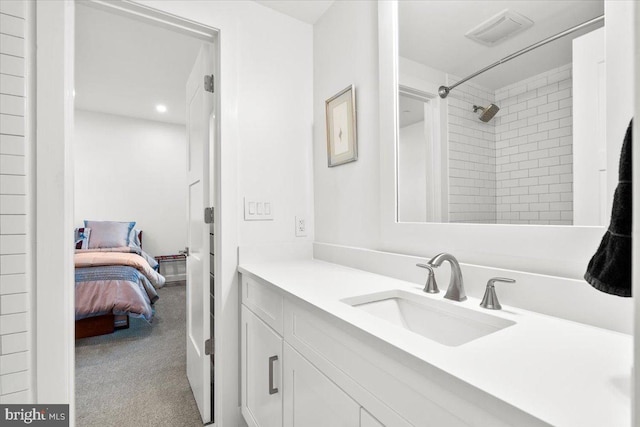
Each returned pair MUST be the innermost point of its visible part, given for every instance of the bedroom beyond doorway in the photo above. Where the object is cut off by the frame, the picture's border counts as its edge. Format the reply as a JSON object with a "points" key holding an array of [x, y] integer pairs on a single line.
{"points": [[141, 116]]}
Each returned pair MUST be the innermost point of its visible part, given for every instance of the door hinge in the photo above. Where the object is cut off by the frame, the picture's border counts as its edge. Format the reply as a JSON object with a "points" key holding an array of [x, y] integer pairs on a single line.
{"points": [[209, 346], [209, 215], [208, 83]]}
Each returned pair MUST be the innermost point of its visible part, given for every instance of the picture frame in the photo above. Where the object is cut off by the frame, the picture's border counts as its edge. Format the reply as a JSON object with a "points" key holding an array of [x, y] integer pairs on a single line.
{"points": [[342, 140]]}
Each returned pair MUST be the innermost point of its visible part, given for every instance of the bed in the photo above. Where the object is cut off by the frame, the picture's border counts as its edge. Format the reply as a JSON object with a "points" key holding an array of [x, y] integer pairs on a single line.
{"points": [[114, 278]]}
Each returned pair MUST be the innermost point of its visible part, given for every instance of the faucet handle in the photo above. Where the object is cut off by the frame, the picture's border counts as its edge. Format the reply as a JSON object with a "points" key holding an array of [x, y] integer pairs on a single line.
{"points": [[430, 287], [490, 299]]}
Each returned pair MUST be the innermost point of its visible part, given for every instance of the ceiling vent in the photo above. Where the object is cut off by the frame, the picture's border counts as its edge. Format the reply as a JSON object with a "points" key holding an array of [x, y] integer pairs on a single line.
{"points": [[499, 27]]}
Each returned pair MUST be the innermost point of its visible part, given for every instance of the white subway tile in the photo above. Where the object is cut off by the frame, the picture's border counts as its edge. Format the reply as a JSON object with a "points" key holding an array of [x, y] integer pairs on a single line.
{"points": [[526, 148], [13, 7], [550, 88], [549, 106], [528, 198], [538, 118], [561, 94], [560, 151], [13, 323], [558, 114], [561, 206], [535, 102], [539, 153], [11, 383], [14, 343], [539, 189], [537, 83], [550, 197], [540, 172], [551, 215], [14, 362], [550, 179], [12, 65], [12, 184], [549, 143], [549, 161], [13, 284], [561, 75], [528, 130], [12, 264], [551, 124], [12, 125], [529, 215], [14, 303], [10, 144], [11, 25], [567, 102], [566, 84], [13, 224], [11, 85], [11, 45], [560, 188]]}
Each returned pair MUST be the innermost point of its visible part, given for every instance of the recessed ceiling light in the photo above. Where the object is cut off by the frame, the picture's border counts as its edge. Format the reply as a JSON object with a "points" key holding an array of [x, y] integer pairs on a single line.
{"points": [[161, 108]]}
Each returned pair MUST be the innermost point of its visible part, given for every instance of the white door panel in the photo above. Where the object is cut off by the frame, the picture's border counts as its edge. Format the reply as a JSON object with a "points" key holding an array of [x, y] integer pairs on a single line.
{"points": [[199, 112]]}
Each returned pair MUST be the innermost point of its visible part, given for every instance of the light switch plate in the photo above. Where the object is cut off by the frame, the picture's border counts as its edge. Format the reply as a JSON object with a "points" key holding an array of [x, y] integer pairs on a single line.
{"points": [[257, 209]]}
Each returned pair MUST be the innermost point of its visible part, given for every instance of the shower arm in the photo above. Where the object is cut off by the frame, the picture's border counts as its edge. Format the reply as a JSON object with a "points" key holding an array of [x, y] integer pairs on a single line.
{"points": [[443, 91]]}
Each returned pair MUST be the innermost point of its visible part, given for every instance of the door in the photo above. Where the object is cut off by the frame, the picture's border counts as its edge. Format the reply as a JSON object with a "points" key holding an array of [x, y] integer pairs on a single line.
{"points": [[313, 400], [199, 111], [261, 359]]}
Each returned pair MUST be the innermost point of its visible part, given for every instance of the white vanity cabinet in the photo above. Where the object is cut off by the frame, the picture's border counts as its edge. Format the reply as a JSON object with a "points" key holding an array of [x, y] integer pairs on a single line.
{"points": [[313, 400], [261, 358], [280, 387]]}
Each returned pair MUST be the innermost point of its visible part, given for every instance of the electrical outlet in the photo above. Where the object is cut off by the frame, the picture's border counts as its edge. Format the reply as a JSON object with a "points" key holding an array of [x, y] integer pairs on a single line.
{"points": [[301, 226]]}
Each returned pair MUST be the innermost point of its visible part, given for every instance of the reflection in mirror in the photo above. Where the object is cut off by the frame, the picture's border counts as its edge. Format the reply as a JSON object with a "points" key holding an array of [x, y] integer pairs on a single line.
{"points": [[522, 143]]}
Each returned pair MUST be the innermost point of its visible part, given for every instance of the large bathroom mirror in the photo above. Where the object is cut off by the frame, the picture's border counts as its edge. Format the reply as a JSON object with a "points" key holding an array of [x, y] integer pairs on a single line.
{"points": [[522, 143]]}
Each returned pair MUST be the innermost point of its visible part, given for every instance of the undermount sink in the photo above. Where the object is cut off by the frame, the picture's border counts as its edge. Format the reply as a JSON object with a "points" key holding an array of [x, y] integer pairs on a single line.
{"points": [[440, 321]]}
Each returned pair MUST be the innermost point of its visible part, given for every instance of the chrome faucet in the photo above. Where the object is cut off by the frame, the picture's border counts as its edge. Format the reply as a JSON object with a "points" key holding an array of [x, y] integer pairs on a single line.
{"points": [[455, 291]]}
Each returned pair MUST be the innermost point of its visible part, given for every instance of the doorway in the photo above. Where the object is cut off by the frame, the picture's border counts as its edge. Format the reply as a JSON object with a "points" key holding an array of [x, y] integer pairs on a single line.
{"points": [[132, 122]]}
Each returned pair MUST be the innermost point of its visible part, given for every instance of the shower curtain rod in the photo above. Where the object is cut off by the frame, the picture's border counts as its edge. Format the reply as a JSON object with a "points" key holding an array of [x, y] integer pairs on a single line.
{"points": [[443, 91]]}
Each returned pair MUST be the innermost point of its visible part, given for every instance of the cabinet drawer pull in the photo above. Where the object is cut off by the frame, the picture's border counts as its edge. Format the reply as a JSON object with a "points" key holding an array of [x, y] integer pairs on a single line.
{"points": [[272, 389]]}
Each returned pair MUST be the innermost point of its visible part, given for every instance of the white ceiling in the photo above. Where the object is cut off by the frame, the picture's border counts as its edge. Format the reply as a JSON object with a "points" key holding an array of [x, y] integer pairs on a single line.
{"points": [[126, 66], [308, 11], [432, 33]]}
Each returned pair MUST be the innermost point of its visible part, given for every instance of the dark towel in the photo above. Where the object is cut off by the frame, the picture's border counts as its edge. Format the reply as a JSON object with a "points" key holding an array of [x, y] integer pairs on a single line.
{"points": [[610, 268]]}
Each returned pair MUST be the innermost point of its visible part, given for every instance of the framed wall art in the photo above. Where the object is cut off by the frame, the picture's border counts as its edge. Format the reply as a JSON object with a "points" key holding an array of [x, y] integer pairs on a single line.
{"points": [[342, 143]]}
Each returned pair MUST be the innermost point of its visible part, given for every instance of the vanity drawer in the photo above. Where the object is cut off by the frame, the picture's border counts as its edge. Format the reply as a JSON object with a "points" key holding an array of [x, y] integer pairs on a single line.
{"points": [[266, 303]]}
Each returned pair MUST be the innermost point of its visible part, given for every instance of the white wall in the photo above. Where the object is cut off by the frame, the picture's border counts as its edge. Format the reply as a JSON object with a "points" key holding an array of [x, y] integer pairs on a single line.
{"points": [[345, 51], [412, 174], [129, 169], [15, 231]]}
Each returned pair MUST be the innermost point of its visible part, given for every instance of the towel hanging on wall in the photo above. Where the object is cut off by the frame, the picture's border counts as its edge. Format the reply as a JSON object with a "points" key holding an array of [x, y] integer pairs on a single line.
{"points": [[610, 268]]}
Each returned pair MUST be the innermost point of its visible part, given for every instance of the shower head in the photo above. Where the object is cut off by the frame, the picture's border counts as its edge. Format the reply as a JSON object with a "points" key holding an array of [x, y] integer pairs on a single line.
{"points": [[487, 112]]}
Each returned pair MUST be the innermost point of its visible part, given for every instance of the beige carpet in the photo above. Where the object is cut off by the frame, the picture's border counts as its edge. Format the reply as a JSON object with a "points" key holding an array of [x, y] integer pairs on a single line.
{"points": [[137, 376]]}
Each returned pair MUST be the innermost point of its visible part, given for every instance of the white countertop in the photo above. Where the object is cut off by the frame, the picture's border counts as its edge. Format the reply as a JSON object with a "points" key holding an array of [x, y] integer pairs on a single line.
{"points": [[561, 372]]}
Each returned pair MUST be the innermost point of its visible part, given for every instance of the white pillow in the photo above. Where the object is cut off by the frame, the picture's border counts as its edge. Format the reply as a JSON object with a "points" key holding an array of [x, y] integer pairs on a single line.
{"points": [[109, 234]]}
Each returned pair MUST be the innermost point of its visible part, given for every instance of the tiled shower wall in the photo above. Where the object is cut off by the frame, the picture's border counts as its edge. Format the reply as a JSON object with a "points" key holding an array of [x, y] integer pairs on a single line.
{"points": [[472, 157], [14, 286], [517, 168], [534, 160]]}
